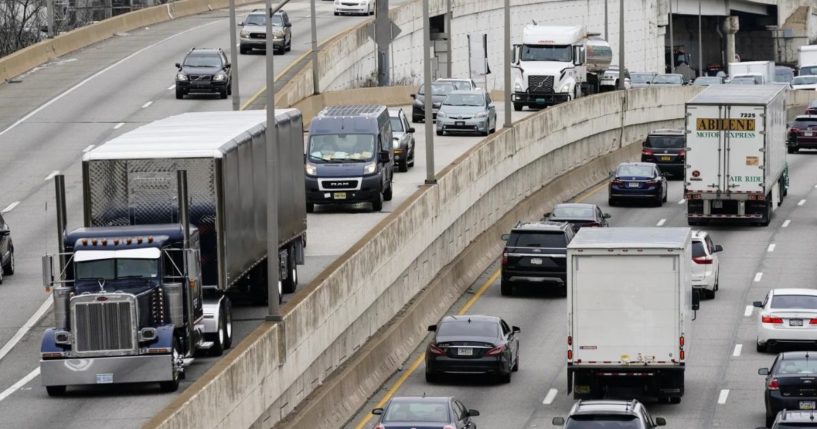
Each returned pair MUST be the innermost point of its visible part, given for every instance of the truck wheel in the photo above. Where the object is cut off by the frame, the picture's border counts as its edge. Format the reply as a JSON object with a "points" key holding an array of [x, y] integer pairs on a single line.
{"points": [[55, 391], [767, 214], [506, 288], [402, 167], [377, 203], [517, 107], [179, 93], [223, 337], [291, 282], [243, 49], [172, 385], [310, 207], [223, 93], [387, 195], [8, 269], [1, 274]]}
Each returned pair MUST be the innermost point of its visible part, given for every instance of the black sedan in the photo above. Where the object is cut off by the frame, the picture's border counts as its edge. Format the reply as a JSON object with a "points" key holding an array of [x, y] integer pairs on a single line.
{"points": [[473, 344], [6, 250], [637, 181], [429, 412], [791, 383], [578, 215]]}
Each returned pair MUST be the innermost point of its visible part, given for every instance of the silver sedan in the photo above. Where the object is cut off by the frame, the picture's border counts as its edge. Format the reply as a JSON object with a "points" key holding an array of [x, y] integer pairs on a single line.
{"points": [[467, 112]]}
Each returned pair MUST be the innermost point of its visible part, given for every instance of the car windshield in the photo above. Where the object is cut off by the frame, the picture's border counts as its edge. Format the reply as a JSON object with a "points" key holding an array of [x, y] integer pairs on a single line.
{"points": [[810, 70], [468, 328], [804, 80], [698, 249], [562, 53], [341, 147], [574, 212], [555, 239], [668, 79], [785, 302], [396, 124], [202, 60], [437, 89], [603, 422], [110, 269], [707, 80], [259, 19], [783, 75], [803, 123], [795, 425], [641, 77], [796, 366], [665, 142], [464, 100], [635, 170], [459, 85], [419, 412]]}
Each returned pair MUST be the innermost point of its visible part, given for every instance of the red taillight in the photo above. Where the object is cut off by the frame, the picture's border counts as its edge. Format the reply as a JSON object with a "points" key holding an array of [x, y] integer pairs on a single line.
{"points": [[647, 152], [495, 351], [703, 260], [794, 131], [504, 259], [435, 349], [769, 319], [569, 340], [773, 384], [681, 341], [618, 182], [570, 355], [812, 322], [683, 355], [380, 426], [682, 153]]}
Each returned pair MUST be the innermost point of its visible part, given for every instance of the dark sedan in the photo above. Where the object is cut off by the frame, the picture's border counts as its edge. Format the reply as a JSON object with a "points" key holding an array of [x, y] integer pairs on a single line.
{"points": [[802, 133], [812, 108], [637, 181], [427, 412], [438, 93], [790, 383], [204, 71], [578, 215], [473, 344], [6, 250]]}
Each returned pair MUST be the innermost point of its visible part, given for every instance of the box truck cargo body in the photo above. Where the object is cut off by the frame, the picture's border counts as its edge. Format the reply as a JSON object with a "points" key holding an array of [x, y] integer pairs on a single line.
{"points": [[629, 304], [735, 153]]}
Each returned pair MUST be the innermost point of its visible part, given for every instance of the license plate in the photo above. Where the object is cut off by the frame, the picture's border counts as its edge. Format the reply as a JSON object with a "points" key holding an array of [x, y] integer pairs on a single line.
{"points": [[540, 101], [795, 322], [465, 351], [459, 123], [807, 405], [104, 378], [718, 204], [665, 158], [632, 184], [808, 134], [339, 195], [536, 261]]}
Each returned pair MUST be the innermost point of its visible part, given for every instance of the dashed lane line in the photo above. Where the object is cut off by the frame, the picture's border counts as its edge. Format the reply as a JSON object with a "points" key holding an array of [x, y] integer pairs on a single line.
{"points": [[550, 397], [771, 247], [786, 223], [724, 395], [748, 311], [758, 277], [10, 207], [51, 175], [661, 222], [738, 349]]}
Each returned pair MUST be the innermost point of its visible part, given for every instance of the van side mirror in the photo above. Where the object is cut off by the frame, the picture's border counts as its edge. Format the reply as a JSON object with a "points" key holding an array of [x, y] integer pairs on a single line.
{"points": [[48, 271], [558, 421], [241, 24], [178, 66], [432, 328], [411, 130], [718, 248], [385, 156], [660, 421], [696, 300], [505, 237], [607, 216], [763, 371], [414, 96], [546, 215]]}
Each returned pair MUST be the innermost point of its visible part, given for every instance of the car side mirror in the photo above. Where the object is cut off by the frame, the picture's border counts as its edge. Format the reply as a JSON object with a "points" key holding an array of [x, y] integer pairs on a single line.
{"points": [[385, 156], [546, 215], [607, 216], [758, 304], [660, 421], [473, 413], [411, 130], [377, 411], [414, 96], [228, 65], [763, 371], [432, 328], [696, 300], [515, 329], [178, 66], [718, 248], [558, 421], [289, 24], [505, 237], [240, 24]]}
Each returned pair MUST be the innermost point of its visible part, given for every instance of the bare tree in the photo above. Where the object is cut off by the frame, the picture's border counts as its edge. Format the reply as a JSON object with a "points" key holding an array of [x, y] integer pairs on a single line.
{"points": [[21, 24]]}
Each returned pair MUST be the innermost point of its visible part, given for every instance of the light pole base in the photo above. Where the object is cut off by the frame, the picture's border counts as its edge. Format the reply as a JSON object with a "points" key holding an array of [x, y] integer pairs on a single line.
{"points": [[431, 181], [270, 318]]}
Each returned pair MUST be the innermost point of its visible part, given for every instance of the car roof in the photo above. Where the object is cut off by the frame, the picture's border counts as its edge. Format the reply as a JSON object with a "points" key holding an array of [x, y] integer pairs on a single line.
{"points": [[645, 164], [794, 291], [205, 50], [797, 355], [471, 317], [607, 406], [667, 131], [699, 234], [541, 226], [429, 399], [575, 205]]}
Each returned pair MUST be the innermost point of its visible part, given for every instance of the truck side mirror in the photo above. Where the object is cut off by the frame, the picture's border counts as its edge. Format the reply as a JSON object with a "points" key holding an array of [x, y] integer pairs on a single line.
{"points": [[377, 411], [411, 130], [385, 156], [696, 300], [607, 216], [48, 271], [505, 237], [558, 421], [515, 54]]}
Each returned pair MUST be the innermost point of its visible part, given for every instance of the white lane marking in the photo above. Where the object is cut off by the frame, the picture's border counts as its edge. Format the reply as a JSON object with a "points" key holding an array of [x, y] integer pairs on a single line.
{"points": [[682, 201], [22, 382], [550, 397], [758, 276], [51, 175], [748, 311], [786, 223], [25, 328], [146, 105], [661, 222], [119, 125], [771, 248], [801, 202], [10, 207], [723, 396], [171, 87], [97, 74], [738, 349], [90, 147]]}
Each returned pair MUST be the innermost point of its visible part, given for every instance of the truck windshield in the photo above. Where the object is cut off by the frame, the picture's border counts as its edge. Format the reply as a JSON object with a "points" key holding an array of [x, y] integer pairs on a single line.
{"points": [[111, 269], [810, 70], [341, 147], [563, 53], [603, 422]]}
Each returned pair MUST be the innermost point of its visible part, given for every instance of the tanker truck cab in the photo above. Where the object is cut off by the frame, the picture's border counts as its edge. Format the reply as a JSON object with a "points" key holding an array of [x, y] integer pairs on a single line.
{"points": [[555, 64]]}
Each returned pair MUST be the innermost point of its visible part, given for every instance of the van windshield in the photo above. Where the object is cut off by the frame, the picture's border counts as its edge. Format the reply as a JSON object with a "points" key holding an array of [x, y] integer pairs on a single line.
{"points": [[341, 147], [563, 53]]}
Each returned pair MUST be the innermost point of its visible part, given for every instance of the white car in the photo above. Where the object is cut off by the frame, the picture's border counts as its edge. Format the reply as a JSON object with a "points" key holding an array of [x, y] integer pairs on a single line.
{"points": [[459, 84], [706, 267], [787, 316], [354, 7], [808, 83]]}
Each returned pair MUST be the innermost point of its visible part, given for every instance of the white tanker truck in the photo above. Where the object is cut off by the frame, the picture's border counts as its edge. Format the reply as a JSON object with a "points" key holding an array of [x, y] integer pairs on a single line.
{"points": [[555, 64]]}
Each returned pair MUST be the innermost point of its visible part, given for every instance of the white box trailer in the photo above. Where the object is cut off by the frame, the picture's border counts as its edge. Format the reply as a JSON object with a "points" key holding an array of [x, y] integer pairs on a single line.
{"points": [[629, 306], [735, 153], [764, 69], [807, 60]]}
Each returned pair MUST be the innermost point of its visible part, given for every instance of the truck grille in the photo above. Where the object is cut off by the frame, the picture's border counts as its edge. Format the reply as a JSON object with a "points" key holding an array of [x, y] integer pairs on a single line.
{"points": [[103, 325], [340, 184], [540, 84]]}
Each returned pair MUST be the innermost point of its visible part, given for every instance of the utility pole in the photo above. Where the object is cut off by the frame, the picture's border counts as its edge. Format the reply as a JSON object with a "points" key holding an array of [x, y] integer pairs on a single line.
{"points": [[316, 82], [50, 11], [606, 37], [621, 45], [700, 44], [671, 42], [508, 89], [273, 266], [431, 176], [450, 19], [233, 59]]}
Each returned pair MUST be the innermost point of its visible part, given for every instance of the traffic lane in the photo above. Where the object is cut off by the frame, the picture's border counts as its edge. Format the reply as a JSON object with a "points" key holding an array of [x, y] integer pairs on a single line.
{"points": [[541, 316]]}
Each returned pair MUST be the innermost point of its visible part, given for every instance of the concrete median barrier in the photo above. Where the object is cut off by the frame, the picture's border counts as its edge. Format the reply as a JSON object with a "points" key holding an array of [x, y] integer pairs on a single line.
{"points": [[329, 323]]}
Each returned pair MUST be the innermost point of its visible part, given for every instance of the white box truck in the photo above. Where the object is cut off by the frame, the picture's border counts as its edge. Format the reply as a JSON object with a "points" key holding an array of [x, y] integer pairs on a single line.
{"points": [[629, 307], [735, 153], [807, 60], [761, 71]]}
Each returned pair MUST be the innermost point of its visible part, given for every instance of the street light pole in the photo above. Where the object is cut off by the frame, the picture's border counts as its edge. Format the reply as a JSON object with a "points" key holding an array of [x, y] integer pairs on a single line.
{"points": [[671, 42], [316, 83], [606, 37], [234, 60], [431, 176], [274, 310], [508, 64], [700, 44], [621, 73]]}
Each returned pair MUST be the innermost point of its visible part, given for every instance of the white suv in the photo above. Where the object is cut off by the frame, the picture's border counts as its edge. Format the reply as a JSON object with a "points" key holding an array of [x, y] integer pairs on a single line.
{"points": [[787, 316], [354, 7], [705, 263]]}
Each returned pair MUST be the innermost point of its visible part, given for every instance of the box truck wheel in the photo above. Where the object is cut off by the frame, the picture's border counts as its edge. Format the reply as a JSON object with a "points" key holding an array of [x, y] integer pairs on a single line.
{"points": [[291, 282], [310, 207], [55, 390], [518, 107]]}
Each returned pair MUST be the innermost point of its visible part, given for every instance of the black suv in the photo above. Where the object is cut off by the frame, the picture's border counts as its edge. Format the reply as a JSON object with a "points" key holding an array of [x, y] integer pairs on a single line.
{"points": [[536, 253], [667, 149], [204, 70], [6, 250]]}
